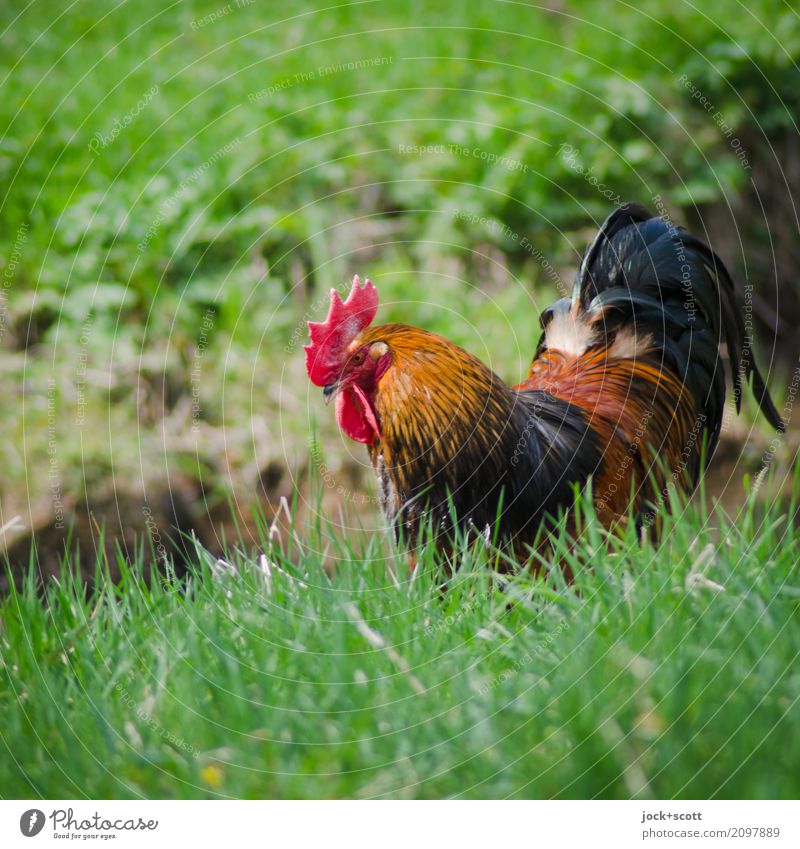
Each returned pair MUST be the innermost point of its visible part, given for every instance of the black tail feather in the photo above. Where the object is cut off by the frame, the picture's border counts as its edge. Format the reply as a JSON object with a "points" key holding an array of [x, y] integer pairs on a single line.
{"points": [[647, 273]]}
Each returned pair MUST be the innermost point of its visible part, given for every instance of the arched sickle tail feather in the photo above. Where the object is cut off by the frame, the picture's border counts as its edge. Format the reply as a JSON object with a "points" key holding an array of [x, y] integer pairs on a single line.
{"points": [[623, 216], [763, 397], [647, 274]]}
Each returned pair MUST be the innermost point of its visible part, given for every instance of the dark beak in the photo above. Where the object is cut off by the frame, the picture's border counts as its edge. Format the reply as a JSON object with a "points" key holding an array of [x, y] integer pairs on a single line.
{"points": [[329, 391]]}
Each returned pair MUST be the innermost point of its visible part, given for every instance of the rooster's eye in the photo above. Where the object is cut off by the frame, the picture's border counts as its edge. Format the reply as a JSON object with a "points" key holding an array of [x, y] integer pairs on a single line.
{"points": [[358, 358]]}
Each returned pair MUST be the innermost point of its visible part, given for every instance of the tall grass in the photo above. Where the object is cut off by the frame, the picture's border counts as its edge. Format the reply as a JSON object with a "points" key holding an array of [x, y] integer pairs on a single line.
{"points": [[318, 667]]}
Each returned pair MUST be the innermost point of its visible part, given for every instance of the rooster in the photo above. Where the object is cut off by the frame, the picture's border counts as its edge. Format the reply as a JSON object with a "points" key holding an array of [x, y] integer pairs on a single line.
{"points": [[625, 393]]}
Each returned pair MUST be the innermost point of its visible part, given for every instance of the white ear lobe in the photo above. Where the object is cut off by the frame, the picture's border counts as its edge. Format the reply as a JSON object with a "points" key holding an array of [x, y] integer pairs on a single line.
{"points": [[377, 350]]}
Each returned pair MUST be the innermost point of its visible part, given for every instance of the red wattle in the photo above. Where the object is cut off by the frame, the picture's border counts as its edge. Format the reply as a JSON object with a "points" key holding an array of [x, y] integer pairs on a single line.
{"points": [[356, 416]]}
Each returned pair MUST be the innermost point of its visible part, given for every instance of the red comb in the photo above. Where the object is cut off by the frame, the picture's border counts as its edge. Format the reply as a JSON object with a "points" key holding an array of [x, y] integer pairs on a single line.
{"points": [[330, 338]]}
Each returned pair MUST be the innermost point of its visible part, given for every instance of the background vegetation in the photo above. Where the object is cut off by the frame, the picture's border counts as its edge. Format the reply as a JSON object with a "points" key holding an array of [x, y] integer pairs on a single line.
{"points": [[182, 184]]}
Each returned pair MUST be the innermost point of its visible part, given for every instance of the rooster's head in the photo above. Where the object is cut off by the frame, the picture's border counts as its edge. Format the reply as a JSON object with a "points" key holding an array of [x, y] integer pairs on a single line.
{"points": [[346, 368]]}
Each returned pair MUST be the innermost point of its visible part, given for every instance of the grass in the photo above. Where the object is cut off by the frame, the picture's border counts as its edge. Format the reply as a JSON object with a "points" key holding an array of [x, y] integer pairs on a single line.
{"points": [[665, 671]]}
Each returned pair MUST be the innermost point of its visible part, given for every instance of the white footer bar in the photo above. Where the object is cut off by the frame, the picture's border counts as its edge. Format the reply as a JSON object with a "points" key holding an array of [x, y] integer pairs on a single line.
{"points": [[402, 825]]}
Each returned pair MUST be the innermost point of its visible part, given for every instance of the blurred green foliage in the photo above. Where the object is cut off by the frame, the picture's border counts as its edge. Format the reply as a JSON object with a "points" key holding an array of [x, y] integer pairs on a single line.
{"points": [[262, 168]]}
